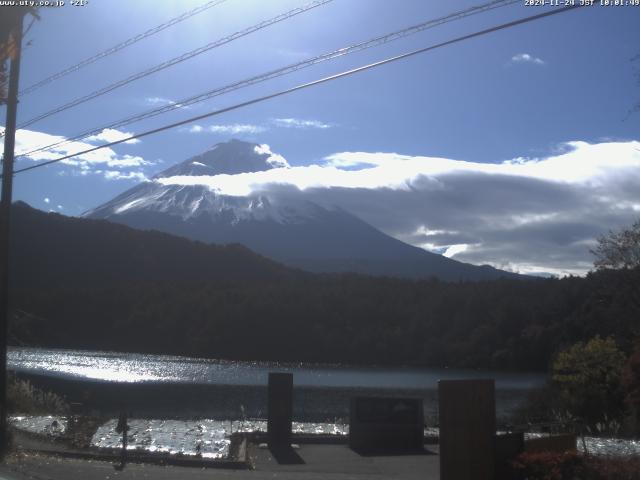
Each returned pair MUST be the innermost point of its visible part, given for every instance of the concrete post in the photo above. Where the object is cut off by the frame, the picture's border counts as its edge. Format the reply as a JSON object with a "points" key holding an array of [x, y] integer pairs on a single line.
{"points": [[280, 409], [467, 429]]}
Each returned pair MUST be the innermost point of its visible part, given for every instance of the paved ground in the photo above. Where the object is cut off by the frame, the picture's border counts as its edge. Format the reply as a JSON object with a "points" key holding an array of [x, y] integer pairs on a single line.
{"points": [[309, 462]]}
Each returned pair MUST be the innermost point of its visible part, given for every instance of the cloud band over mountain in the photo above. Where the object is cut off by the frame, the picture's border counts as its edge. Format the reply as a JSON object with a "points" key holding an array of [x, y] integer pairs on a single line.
{"points": [[527, 215]]}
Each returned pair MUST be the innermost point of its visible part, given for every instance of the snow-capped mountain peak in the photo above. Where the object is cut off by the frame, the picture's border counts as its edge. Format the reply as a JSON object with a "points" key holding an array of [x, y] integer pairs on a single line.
{"points": [[285, 227], [232, 157]]}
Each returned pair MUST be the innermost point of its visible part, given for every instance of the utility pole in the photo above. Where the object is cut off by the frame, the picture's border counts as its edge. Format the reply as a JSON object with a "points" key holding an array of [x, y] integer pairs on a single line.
{"points": [[5, 211]]}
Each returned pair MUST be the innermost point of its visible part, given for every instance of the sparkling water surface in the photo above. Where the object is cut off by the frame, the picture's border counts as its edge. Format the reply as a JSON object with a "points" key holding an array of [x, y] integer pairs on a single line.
{"points": [[210, 438], [133, 368]]}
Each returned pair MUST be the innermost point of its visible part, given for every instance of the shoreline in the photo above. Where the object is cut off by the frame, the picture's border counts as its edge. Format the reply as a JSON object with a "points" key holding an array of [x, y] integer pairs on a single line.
{"points": [[191, 400]]}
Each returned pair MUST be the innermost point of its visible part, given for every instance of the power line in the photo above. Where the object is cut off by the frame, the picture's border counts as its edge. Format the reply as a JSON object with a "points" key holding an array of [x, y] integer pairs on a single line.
{"points": [[176, 60], [310, 84], [286, 70], [120, 46], [283, 71]]}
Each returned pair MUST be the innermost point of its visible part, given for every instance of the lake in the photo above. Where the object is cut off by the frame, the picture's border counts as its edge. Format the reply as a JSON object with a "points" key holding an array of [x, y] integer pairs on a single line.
{"points": [[182, 386]]}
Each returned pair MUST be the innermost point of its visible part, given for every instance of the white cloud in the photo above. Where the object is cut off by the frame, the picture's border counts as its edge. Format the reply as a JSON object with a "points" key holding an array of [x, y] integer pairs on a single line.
{"points": [[161, 101], [455, 249], [118, 175], [128, 161], [275, 160], [232, 129], [423, 230], [60, 207], [300, 123], [351, 160], [527, 58], [47, 200], [303, 178], [583, 163], [112, 135], [526, 214], [28, 140], [247, 128]]}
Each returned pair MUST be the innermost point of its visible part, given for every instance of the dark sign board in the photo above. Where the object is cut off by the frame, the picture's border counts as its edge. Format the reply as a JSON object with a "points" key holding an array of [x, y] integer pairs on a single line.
{"points": [[386, 424]]}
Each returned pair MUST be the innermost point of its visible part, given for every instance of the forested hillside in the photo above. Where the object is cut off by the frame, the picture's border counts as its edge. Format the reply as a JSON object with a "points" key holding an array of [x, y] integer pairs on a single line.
{"points": [[110, 287]]}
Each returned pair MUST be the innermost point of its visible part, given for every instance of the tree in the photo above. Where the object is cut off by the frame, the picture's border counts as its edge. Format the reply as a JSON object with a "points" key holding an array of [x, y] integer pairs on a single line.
{"points": [[587, 377], [631, 383], [619, 249]]}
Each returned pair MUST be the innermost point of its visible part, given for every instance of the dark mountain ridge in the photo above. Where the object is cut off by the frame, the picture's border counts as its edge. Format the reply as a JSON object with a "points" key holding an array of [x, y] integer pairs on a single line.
{"points": [[49, 249]]}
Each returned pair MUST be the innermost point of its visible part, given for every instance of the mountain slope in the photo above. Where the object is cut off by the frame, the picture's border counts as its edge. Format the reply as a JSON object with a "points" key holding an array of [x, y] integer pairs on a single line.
{"points": [[51, 250], [291, 230]]}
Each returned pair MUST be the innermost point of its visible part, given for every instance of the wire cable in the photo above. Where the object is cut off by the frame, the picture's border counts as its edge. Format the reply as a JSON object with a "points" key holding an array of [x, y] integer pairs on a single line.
{"points": [[310, 84], [374, 42], [120, 46], [176, 60]]}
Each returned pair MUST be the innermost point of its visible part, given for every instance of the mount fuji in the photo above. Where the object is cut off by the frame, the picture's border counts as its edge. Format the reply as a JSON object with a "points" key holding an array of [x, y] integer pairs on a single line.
{"points": [[289, 229]]}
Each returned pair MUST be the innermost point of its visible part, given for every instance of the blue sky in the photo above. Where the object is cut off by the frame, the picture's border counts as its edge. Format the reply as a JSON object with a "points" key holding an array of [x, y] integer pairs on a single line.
{"points": [[523, 93]]}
